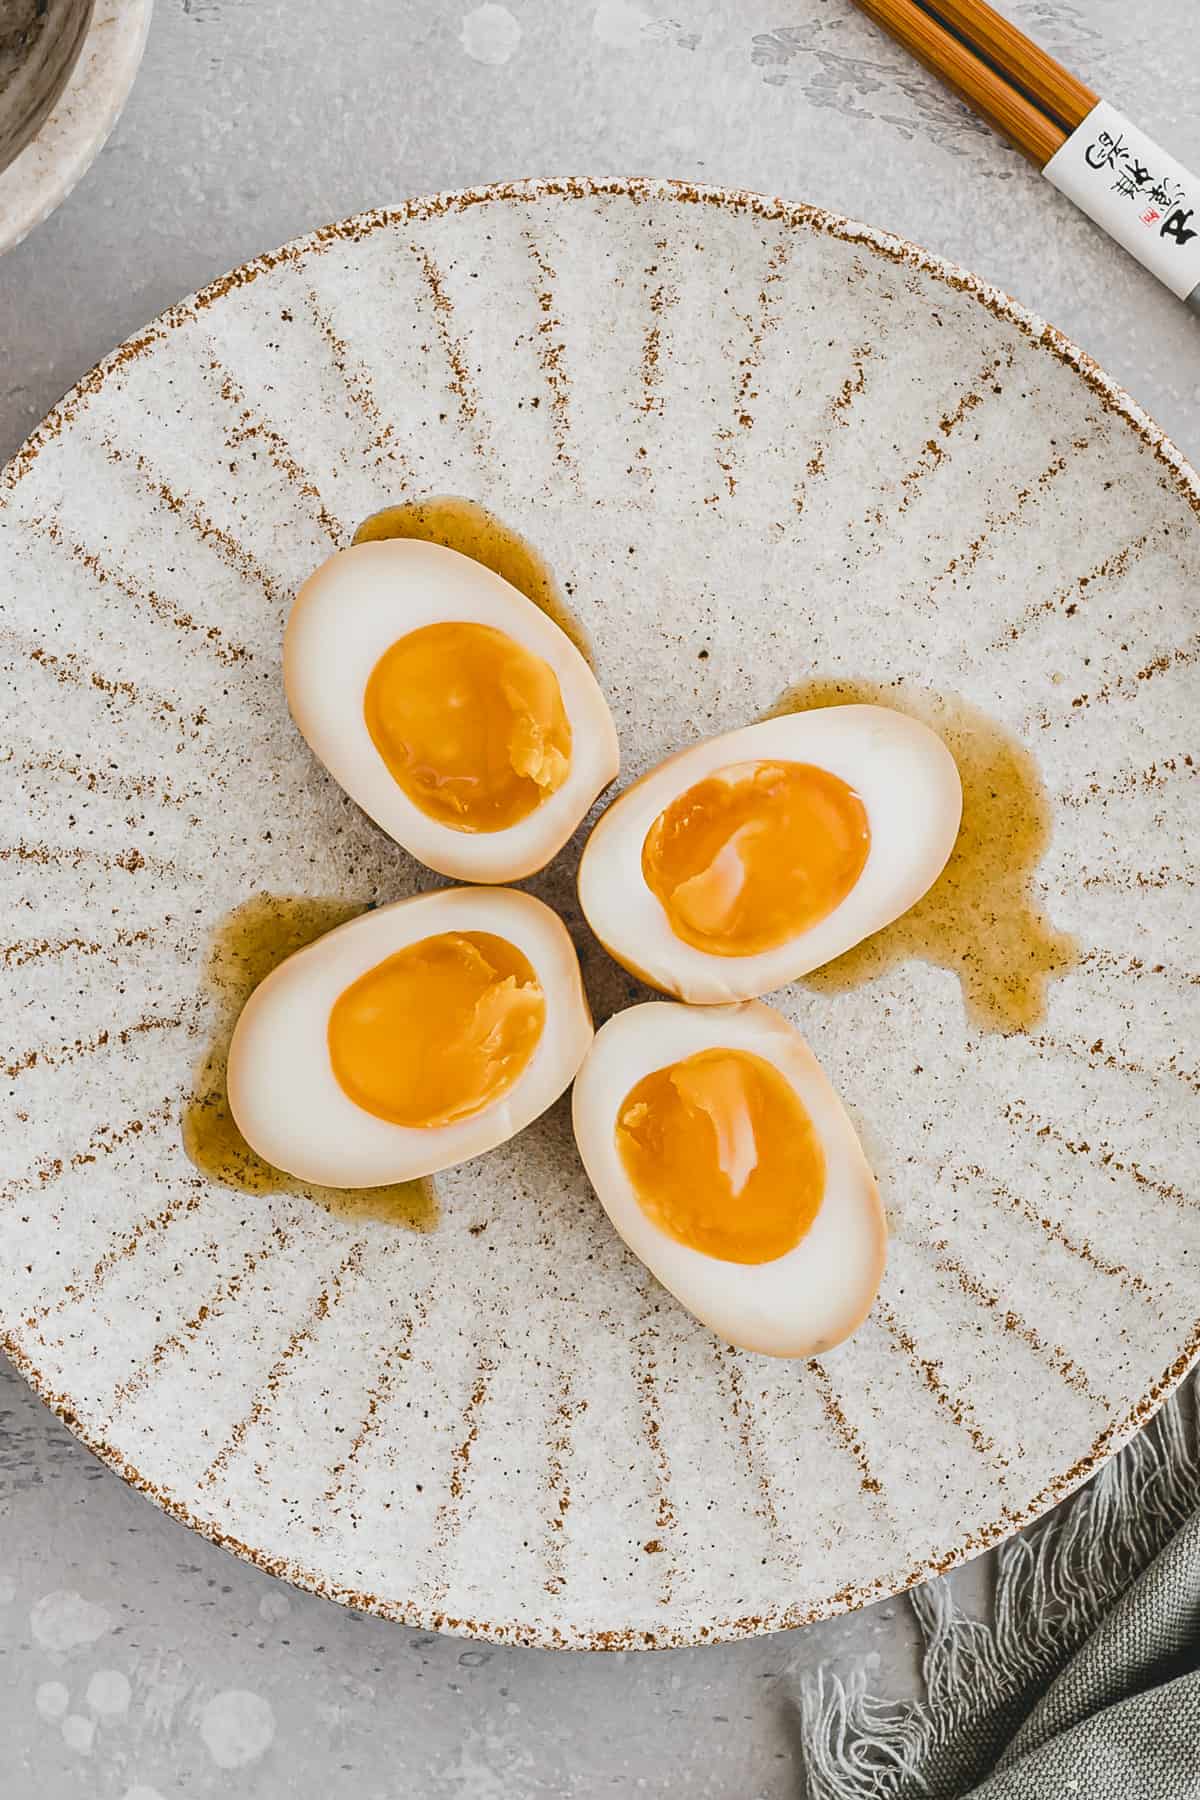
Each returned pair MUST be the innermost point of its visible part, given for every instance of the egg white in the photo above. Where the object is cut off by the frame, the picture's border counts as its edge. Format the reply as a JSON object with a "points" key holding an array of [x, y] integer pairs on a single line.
{"points": [[803, 1302], [285, 1097], [352, 610], [908, 783]]}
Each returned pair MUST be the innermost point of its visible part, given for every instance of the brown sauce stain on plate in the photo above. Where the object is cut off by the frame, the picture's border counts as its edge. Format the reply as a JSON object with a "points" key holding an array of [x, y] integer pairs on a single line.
{"points": [[254, 939], [979, 919], [473, 531]]}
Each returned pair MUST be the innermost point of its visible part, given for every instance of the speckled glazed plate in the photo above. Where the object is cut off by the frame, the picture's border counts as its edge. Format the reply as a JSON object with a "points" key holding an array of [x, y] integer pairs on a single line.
{"points": [[763, 450]]}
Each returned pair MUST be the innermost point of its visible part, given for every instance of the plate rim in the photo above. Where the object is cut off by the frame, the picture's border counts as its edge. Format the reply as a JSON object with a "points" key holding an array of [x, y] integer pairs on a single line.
{"points": [[534, 1633]]}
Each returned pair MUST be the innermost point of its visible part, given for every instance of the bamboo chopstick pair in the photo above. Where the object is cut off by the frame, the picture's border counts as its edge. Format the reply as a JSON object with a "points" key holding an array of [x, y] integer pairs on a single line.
{"points": [[1113, 172]]}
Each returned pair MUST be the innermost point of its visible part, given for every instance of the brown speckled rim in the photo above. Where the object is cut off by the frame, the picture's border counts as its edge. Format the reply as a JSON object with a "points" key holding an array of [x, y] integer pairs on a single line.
{"points": [[641, 191]]}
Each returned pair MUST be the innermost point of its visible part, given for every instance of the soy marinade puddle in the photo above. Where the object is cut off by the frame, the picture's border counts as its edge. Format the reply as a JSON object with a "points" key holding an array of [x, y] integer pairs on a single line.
{"points": [[466, 526], [980, 919], [255, 938]]}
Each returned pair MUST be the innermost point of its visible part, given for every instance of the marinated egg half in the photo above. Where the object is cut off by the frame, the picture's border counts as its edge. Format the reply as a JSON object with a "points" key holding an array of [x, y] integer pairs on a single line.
{"points": [[748, 859], [450, 707], [727, 1163], [410, 1039]]}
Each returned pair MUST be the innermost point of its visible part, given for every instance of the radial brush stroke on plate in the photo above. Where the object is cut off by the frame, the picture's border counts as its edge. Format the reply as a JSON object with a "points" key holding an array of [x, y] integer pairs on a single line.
{"points": [[970, 1175], [1013, 1322], [249, 428], [759, 326], [105, 1140], [178, 1343], [380, 446], [300, 1337], [387, 1380], [186, 509]]}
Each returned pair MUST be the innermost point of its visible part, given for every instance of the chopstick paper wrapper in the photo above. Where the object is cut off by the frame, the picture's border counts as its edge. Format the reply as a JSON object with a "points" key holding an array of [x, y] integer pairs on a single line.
{"points": [[1137, 193]]}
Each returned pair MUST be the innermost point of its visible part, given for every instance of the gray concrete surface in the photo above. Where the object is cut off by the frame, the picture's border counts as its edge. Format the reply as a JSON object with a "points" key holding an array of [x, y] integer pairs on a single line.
{"points": [[135, 1660]]}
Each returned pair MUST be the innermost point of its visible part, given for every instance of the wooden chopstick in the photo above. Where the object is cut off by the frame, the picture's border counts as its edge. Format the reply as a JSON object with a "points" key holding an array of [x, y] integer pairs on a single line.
{"points": [[983, 87], [1026, 64], [1114, 172]]}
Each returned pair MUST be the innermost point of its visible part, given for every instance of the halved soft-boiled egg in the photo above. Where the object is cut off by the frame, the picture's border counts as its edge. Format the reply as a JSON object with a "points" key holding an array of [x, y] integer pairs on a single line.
{"points": [[750, 858], [410, 1039], [728, 1164], [449, 706]]}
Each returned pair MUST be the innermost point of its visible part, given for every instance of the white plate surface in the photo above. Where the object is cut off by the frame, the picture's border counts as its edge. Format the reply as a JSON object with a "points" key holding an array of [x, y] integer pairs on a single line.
{"points": [[759, 446]]}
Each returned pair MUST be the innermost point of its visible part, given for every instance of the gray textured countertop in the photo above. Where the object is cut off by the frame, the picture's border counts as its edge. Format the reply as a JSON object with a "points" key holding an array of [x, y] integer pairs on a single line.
{"points": [[139, 1661]]}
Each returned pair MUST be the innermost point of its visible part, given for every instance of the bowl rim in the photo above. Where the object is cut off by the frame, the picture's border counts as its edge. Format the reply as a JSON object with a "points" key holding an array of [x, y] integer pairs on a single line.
{"points": [[79, 20], [81, 121]]}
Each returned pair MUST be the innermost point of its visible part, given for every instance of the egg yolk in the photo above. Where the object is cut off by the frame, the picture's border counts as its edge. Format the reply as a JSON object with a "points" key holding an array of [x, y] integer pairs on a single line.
{"points": [[723, 1156], [755, 854], [470, 724], [439, 1031]]}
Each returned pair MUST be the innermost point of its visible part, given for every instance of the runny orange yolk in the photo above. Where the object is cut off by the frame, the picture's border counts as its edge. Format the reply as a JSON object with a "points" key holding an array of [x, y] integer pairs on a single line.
{"points": [[470, 724], [439, 1031], [755, 854], [723, 1156]]}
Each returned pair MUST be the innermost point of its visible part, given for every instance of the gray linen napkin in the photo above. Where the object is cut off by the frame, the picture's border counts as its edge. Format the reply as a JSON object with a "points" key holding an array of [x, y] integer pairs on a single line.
{"points": [[1123, 1718], [1086, 1683]]}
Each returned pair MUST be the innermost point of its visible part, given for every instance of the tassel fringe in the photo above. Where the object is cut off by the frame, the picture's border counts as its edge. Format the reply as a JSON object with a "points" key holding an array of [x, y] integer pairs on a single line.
{"points": [[1053, 1584]]}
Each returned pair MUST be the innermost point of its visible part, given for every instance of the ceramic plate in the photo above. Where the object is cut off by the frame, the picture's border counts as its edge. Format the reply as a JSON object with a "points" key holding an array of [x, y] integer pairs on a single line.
{"points": [[764, 450]]}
